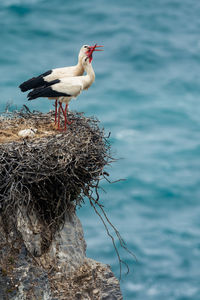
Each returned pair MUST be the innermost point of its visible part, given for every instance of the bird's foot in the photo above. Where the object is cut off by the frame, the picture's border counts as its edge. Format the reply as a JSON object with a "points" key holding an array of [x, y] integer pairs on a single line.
{"points": [[60, 129], [70, 122]]}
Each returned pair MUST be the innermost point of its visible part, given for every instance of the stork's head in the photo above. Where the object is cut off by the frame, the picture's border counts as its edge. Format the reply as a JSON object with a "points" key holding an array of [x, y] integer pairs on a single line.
{"points": [[85, 61], [91, 50], [83, 51], [88, 50]]}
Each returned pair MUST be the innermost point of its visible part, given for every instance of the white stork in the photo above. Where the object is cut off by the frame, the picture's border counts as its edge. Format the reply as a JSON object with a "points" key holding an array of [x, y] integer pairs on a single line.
{"points": [[46, 78], [64, 89]]}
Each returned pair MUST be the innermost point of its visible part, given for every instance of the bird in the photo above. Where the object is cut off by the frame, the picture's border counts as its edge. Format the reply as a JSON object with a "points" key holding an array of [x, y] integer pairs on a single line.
{"points": [[45, 79], [64, 89]]}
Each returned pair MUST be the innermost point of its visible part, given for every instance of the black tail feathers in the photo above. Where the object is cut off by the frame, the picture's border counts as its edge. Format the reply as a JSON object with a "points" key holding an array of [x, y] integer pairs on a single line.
{"points": [[47, 91], [35, 82]]}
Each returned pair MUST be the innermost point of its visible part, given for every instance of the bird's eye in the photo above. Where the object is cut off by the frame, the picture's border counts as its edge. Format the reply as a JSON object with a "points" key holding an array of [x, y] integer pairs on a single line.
{"points": [[86, 58], [85, 46]]}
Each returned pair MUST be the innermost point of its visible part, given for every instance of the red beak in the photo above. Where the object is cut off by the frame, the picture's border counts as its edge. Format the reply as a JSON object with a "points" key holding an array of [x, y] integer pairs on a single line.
{"points": [[92, 49]]}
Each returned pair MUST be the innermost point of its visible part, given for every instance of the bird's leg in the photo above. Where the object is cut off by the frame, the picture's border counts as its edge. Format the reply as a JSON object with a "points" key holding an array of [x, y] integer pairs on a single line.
{"points": [[56, 107], [60, 105], [68, 122], [64, 117]]}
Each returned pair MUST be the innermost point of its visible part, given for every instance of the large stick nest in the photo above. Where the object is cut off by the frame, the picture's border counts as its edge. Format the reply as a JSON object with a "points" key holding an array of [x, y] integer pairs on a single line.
{"points": [[49, 172]]}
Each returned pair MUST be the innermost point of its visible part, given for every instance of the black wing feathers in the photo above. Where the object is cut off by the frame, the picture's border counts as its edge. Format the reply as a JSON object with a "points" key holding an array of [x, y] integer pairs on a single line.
{"points": [[46, 91], [35, 82]]}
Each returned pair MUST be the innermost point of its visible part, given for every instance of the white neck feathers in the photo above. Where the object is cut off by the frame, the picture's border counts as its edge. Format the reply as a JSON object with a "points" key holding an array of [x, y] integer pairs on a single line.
{"points": [[90, 77]]}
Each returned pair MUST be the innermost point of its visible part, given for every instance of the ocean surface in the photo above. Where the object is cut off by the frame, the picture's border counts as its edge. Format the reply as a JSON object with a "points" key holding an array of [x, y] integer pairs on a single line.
{"points": [[147, 94]]}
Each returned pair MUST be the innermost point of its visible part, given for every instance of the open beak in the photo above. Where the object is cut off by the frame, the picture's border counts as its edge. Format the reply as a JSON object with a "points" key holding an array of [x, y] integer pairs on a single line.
{"points": [[92, 49]]}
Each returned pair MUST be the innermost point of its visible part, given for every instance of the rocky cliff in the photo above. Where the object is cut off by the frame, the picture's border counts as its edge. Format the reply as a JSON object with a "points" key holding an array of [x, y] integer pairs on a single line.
{"points": [[63, 272]]}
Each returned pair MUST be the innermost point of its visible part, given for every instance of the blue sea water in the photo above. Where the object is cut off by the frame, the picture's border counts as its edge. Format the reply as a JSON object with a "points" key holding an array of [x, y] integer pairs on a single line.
{"points": [[147, 94]]}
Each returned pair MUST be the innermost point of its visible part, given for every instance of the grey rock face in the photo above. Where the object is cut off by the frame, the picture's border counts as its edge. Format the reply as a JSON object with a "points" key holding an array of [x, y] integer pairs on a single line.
{"points": [[62, 272], [20, 277], [67, 249], [69, 246]]}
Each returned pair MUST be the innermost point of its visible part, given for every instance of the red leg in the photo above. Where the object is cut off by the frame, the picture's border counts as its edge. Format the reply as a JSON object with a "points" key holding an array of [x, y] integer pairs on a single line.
{"points": [[64, 117], [56, 106], [59, 115], [68, 122]]}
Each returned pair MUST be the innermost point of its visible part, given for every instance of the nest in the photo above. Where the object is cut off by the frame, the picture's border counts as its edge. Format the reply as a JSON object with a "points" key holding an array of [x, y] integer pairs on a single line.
{"points": [[52, 172]]}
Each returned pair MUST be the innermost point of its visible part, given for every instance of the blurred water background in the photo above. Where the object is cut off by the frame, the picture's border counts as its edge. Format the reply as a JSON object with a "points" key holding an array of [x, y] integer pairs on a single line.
{"points": [[147, 94]]}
